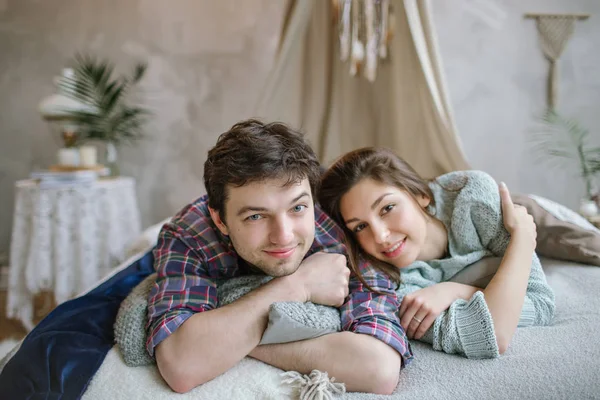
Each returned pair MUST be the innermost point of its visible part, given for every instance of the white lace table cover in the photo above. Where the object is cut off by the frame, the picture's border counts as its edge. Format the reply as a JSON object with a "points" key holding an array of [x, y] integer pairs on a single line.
{"points": [[65, 239]]}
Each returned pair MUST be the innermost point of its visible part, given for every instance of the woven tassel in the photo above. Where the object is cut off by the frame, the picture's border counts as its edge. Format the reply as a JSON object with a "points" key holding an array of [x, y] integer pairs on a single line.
{"points": [[316, 386]]}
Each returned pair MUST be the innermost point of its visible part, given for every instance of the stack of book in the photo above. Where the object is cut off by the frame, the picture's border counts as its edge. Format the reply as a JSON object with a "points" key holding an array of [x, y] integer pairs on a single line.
{"points": [[49, 179]]}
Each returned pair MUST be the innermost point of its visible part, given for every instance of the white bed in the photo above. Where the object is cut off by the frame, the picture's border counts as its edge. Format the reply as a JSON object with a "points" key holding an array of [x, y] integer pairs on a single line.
{"points": [[554, 362]]}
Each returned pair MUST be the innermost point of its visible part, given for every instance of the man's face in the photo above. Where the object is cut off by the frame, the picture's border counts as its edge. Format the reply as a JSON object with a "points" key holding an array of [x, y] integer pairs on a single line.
{"points": [[271, 226]]}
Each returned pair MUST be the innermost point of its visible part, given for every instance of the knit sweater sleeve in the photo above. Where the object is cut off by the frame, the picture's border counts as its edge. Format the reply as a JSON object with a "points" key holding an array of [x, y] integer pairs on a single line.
{"points": [[466, 327], [539, 304]]}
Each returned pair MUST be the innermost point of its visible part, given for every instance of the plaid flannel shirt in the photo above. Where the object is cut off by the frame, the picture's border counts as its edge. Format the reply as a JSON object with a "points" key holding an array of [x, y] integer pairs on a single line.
{"points": [[191, 254]]}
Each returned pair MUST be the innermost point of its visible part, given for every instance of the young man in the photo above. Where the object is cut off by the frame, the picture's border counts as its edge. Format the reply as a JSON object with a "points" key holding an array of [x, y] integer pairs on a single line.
{"points": [[259, 215]]}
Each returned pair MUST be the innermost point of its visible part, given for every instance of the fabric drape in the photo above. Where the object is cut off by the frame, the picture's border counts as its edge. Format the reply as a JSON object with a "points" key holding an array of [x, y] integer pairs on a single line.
{"points": [[406, 109]]}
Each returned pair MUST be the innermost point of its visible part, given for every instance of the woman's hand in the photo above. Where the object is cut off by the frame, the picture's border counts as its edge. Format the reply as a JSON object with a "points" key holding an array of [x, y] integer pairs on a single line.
{"points": [[516, 220], [419, 309]]}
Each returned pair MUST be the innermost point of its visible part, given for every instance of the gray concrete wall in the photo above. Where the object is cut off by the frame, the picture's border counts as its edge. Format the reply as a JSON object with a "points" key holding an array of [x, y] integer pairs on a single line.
{"points": [[496, 75], [208, 59]]}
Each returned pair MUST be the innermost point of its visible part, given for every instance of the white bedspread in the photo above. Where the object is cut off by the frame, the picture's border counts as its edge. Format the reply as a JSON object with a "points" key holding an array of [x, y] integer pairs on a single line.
{"points": [[554, 362]]}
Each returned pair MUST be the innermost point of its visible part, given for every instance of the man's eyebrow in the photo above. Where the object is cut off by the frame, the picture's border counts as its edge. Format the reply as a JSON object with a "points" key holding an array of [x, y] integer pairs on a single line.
{"points": [[373, 206], [246, 209], [299, 197]]}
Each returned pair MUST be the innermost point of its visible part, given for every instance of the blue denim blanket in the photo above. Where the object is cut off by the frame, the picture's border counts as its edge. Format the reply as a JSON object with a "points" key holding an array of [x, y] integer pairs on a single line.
{"points": [[62, 353]]}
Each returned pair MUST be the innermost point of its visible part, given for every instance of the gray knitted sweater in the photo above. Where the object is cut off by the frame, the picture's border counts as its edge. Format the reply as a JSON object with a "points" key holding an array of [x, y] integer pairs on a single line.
{"points": [[468, 204]]}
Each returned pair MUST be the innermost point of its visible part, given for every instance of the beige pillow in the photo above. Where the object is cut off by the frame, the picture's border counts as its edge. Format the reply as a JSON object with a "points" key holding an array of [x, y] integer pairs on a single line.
{"points": [[562, 233]]}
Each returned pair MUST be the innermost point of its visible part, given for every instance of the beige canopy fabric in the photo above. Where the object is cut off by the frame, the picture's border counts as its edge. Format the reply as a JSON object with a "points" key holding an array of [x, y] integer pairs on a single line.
{"points": [[406, 109]]}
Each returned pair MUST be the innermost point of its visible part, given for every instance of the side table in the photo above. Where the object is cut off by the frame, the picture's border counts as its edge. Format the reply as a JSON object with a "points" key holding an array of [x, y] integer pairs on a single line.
{"points": [[65, 239]]}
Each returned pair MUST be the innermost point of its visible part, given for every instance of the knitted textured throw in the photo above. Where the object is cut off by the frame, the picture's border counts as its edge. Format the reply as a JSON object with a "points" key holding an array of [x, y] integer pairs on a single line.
{"points": [[288, 321]]}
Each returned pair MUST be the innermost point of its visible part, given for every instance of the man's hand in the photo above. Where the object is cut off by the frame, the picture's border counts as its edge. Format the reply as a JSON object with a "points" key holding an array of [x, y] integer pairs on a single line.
{"points": [[324, 277]]}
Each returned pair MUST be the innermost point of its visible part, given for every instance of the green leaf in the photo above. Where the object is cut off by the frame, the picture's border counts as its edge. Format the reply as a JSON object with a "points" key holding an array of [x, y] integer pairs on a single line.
{"points": [[114, 95], [138, 72], [94, 84], [560, 138], [594, 166]]}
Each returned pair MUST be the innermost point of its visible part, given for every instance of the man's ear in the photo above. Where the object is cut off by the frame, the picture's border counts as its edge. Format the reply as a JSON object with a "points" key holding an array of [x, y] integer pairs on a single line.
{"points": [[216, 217], [423, 201]]}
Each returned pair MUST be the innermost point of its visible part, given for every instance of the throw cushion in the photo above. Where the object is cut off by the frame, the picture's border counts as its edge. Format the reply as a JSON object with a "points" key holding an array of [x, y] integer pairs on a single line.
{"points": [[561, 232]]}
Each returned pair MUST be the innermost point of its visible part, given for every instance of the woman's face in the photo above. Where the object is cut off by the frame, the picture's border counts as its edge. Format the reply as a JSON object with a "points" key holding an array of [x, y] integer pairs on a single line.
{"points": [[388, 223]]}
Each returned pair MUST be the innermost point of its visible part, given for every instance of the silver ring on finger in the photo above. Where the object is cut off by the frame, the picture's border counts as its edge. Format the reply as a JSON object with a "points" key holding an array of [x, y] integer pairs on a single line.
{"points": [[417, 319]]}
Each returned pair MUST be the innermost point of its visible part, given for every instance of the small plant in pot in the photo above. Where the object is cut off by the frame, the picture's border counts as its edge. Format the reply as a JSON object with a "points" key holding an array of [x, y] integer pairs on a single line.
{"points": [[561, 140], [114, 120]]}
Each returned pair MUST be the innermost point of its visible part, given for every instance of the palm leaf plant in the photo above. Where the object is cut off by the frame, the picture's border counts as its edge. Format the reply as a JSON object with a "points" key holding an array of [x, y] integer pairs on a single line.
{"points": [[566, 141], [113, 120]]}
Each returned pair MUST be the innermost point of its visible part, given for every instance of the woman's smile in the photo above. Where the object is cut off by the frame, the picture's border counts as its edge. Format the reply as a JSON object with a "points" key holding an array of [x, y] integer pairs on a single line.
{"points": [[395, 250]]}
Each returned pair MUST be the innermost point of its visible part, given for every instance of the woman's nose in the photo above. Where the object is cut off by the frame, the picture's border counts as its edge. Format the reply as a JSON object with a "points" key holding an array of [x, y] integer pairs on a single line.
{"points": [[381, 232]]}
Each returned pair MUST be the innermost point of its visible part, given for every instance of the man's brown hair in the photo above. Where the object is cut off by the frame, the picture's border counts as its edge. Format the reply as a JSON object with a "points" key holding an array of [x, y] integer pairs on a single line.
{"points": [[252, 151]]}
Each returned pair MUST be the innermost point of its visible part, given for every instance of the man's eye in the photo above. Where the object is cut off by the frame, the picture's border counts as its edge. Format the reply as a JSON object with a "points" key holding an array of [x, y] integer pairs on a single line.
{"points": [[254, 217], [359, 228], [299, 208]]}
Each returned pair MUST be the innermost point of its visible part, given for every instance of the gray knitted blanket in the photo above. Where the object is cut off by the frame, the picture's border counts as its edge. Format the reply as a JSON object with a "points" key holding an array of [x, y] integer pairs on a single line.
{"points": [[288, 321]]}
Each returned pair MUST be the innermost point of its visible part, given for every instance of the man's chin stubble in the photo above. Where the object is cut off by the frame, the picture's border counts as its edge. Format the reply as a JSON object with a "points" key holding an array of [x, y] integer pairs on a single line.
{"points": [[281, 273]]}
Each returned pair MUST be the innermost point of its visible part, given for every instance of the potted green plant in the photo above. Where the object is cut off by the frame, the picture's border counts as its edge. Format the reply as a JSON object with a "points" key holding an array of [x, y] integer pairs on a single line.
{"points": [[114, 120], [561, 139]]}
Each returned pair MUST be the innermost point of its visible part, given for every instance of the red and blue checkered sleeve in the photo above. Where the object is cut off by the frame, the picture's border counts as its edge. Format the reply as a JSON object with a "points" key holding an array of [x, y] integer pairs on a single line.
{"points": [[183, 286], [375, 314]]}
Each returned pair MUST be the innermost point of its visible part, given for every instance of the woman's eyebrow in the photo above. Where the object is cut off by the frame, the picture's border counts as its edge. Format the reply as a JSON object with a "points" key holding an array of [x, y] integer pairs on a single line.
{"points": [[379, 199], [373, 207]]}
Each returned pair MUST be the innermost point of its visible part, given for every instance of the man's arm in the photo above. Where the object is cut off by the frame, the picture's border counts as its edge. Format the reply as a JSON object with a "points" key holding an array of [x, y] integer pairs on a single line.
{"points": [[210, 343], [362, 362], [193, 342], [369, 356]]}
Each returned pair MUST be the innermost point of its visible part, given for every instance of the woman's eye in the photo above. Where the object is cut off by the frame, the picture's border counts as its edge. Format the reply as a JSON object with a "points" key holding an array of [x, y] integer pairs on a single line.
{"points": [[387, 208], [359, 228], [254, 217], [299, 208]]}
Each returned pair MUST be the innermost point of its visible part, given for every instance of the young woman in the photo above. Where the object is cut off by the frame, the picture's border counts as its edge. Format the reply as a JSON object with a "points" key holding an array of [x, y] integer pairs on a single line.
{"points": [[423, 233]]}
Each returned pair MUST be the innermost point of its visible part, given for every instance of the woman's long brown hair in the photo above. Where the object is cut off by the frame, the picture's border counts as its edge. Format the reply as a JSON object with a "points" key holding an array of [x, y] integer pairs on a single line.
{"points": [[380, 165]]}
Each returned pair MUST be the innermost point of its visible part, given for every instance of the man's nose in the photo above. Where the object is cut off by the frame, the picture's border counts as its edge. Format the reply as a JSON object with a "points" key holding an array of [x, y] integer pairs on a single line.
{"points": [[282, 232]]}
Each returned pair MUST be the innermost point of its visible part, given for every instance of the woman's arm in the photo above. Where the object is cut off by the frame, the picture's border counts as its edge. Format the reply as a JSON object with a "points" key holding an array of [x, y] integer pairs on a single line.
{"points": [[539, 305], [518, 290], [505, 294], [519, 295]]}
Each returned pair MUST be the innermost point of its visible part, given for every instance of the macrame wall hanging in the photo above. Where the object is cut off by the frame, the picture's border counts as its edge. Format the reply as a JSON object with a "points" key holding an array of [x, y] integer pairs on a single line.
{"points": [[365, 28], [555, 30]]}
